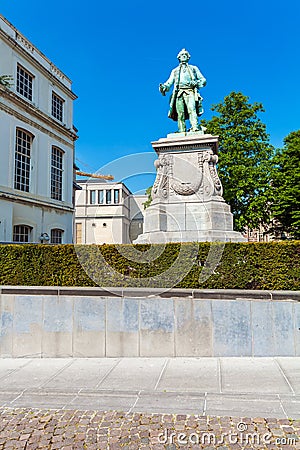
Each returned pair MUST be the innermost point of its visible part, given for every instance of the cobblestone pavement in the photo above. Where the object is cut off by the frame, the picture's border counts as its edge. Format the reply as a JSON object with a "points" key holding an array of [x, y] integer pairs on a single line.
{"points": [[72, 429]]}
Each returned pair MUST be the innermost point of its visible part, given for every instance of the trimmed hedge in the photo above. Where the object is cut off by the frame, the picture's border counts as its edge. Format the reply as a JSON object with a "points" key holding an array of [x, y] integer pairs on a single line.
{"points": [[271, 266]]}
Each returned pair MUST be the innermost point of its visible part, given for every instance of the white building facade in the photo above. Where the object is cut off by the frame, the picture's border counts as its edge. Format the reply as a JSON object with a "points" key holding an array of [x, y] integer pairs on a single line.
{"points": [[37, 139], [107, 213]]}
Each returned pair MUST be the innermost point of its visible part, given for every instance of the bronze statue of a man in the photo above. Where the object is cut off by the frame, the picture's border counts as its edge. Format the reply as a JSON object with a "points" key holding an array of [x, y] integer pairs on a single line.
{"points": [[185, 102]]}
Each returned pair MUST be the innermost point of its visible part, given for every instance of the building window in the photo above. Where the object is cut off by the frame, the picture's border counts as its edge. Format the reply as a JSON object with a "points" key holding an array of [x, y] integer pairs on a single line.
{"points": [[108, 196], [92, 197], [100, 197], [78, 233], [56, 236], [22, 160], [22, 233], [116, 196], [56, 173], [24, 82], [57, 107]]}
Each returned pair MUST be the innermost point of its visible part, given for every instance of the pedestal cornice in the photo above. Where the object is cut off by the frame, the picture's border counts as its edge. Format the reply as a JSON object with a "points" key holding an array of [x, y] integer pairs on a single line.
{"points": [[186, 142]]}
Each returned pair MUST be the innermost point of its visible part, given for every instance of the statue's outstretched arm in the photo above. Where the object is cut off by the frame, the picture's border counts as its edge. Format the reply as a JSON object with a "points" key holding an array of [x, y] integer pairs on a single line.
{"points": [[165, 87]]}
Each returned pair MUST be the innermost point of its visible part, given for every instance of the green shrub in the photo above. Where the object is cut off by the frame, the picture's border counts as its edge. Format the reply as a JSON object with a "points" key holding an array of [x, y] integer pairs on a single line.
{"points": [[272, 266]]}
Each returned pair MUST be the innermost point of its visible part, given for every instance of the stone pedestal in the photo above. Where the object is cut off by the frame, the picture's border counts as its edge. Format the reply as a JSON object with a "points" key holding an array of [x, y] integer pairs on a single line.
{"points": [[187, 203]]}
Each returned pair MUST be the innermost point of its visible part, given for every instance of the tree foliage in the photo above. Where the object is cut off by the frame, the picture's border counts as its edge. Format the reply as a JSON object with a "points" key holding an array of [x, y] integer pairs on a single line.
{"points": [[245, 155], [286, 187], [149, 199]]}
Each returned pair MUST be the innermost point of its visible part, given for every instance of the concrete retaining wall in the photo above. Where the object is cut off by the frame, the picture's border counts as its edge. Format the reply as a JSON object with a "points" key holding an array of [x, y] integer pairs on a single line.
{"points": [[91, 322]]}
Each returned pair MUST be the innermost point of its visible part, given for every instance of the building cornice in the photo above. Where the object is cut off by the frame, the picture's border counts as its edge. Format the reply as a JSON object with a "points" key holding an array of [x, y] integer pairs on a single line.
{"points": [[20, 198], [104, 185], [33, 111], [115, 216], [53, 74], [102, 205]]}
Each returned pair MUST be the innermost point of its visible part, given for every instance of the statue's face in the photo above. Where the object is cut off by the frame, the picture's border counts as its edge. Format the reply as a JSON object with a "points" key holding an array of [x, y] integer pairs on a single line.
{"points": [[183, 57]]}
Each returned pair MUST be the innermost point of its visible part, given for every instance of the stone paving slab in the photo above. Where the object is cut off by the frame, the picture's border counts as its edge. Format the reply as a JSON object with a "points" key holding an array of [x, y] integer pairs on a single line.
{"points": [[170, 402], [32, 373], [229, 405], [253, 375], [291, 371], [30, 429], [87, 372], [135, 373], [188, 374], [216, 386], [158, 402], [9, 365], [279, 375], [102, 402]]}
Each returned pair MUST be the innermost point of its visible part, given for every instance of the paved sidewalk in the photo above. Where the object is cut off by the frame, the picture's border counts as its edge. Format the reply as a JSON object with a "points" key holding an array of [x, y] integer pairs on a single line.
{"points": [[235, 387]]}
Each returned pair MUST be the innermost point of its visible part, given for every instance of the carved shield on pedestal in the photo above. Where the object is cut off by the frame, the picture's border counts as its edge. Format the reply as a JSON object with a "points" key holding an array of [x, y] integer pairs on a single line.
{"points": [[186, 176]]}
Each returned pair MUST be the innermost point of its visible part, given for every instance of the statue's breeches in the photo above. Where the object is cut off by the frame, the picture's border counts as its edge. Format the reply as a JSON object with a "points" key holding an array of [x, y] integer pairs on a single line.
{"points": [[186, 107]]}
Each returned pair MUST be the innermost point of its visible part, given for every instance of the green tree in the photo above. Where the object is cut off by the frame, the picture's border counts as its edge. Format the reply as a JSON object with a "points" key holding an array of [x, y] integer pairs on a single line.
{"points": [[245, 156], [286, 187], [149, 199]]}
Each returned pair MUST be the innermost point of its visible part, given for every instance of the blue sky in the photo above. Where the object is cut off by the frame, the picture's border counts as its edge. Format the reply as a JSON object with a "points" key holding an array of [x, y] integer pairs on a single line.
{"points": [[117, 53]]}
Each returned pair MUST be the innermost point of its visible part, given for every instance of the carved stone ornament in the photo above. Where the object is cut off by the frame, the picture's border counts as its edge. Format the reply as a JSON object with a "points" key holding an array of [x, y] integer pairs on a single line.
{"points": [[185, 189], [212, 159], [161, 184], [207, 179]]}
